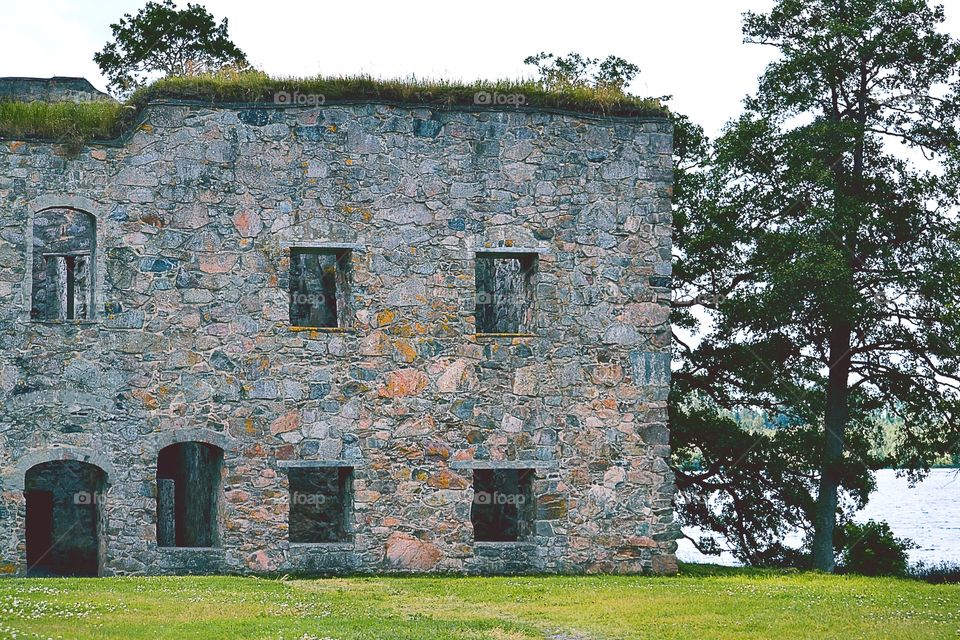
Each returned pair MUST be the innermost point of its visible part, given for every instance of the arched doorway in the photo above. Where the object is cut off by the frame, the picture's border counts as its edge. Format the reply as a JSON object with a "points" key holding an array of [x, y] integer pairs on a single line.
{"points": [[65, 518], [189, 487]]}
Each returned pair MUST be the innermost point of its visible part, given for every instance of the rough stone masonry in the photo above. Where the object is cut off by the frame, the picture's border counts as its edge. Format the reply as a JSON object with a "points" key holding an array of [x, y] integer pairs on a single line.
{"points": [[416, 339]]}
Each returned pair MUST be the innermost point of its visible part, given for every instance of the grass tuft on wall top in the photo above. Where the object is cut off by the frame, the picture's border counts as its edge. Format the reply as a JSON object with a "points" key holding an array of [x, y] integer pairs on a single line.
{"points": [[78, 123], [65, 122]]}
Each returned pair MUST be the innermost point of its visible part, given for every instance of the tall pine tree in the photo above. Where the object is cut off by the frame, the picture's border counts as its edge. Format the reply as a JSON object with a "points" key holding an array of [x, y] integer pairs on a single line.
{"points": [[825, 245]]}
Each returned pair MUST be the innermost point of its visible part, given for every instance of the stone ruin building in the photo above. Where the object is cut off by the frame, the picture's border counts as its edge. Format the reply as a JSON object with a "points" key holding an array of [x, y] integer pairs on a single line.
{"points": [[349, 338]]}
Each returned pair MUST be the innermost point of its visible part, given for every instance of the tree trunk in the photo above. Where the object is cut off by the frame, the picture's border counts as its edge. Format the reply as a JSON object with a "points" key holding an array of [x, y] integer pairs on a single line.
{"points": [[835, 422]]}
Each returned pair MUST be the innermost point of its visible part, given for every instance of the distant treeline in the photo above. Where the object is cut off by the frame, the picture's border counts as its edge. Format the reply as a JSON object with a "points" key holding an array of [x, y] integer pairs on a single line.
{"points": [[890, 427]]}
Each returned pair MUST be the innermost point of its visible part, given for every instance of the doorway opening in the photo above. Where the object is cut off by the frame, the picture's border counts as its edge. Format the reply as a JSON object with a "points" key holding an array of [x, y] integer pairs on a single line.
{"points": [[65, 518]]}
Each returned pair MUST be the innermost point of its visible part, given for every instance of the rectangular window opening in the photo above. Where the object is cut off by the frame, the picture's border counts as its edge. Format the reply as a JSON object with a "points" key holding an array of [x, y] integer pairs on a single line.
{"points": [[189, 488], [505, 285], [67, 284], [503, 505], [321, 504], [320, 288]]}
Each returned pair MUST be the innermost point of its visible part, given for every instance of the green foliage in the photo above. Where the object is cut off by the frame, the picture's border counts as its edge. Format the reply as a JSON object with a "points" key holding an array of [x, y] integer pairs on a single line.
{"points": [[827, 266], [163, 39], [752, 487], [871, 549], [732, 482], [936, 573], [574, 71]]}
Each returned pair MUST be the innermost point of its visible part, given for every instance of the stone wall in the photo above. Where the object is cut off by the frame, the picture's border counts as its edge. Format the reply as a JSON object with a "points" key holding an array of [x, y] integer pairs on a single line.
{"points": [[55, 89], [189, 337]]}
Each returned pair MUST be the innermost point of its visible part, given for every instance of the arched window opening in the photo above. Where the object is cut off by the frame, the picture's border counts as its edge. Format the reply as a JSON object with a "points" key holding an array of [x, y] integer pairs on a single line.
{"points": [[64, 242]]}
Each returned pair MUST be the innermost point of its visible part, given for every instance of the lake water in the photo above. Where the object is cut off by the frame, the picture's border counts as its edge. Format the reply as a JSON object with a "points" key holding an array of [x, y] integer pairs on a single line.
{"points": [[928, 513]]}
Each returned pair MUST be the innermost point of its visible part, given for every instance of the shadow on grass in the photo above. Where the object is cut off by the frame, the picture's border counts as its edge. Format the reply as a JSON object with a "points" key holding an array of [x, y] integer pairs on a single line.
{"points": [[697, 570]]}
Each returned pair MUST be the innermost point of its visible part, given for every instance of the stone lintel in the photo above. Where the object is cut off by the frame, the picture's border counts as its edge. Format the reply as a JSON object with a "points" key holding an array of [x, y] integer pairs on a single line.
{"points": [[16, 479], [316, 464], [504, 464], [167, 437], [510, 250], [312, 244], [322, 546]]}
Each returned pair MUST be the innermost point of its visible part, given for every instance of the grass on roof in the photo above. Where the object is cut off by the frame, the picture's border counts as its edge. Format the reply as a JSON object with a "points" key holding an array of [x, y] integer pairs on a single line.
{"points": [[83, 122], [259, 87], [60, 121]]}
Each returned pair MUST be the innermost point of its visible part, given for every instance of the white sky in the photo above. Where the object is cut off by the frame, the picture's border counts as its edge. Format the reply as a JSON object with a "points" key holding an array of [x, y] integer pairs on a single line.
{"points": [[688, 48], [691, 49]]}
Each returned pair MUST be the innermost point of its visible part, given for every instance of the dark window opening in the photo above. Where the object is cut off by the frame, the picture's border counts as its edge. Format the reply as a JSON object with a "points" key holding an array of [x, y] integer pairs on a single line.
{"points": [[505, 284], [319, 288], [188, 495], [321, 503], [65, 519], [63, 259], [503, 505]]}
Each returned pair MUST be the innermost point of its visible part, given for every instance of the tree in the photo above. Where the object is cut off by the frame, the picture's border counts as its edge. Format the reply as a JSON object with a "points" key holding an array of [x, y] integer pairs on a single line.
{"points": [[739, 474], [755, 488], [573, 70], [164, 39], [827, 262]]}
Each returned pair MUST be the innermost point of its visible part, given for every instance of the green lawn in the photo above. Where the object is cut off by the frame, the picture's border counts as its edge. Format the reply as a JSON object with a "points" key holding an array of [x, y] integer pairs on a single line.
{"points": [[699, 604]]}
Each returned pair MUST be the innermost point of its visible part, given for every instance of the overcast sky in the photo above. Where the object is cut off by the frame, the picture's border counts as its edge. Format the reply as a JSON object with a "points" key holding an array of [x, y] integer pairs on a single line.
{"points": [[691, 49]]}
